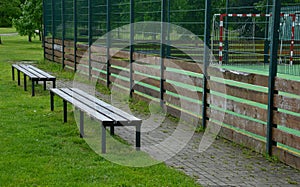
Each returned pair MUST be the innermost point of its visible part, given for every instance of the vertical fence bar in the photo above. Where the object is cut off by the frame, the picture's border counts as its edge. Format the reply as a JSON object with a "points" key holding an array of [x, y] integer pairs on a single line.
{"points": [[226, 34], [108, 41], [131, 45], [75, 34], [273, 72], [63, 32], [90, 37], [44, 28], [221, 38], [207, 30], [169, 29], [162, 50], [266, 42], [53, 29], [292, 38]]}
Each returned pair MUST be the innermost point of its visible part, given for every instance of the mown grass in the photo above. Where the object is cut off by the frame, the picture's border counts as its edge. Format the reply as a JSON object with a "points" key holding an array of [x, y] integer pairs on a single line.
{"points": [[7, 30], [37, 149]]}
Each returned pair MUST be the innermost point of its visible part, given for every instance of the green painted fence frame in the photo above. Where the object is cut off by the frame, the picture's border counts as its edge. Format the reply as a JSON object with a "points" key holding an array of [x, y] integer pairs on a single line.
{"points": [[164, 50]]}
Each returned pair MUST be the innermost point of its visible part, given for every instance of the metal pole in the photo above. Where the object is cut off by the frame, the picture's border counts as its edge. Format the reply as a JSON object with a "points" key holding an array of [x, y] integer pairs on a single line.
{"points": [[206, 60], [169, 25], [75, 34], [226, 34], [63, 33], [108, 41], [53, 29], [44, 28], [131, 45], [267, 43], [81, 124], [162, 51], [273, 73], [292, 39], [90, 37], [221, 39]]}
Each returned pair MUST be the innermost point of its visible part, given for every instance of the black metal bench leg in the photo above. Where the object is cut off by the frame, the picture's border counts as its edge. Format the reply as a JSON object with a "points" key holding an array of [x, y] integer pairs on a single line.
{"points": [[112, 130], [51, 101], [45, 86], [54, 84], [103, 139], [32, 88], [81, 124], [19, 81], [13, 73], [65, 111], [138, 137], [25, 83]]}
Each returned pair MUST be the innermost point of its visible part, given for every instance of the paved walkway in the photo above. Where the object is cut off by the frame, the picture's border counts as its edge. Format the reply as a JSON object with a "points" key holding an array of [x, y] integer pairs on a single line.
{"points": [[222, 164]]}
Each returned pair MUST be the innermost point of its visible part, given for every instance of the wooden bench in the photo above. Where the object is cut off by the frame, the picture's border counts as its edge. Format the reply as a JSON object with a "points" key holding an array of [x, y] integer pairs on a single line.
{"points": [[108, 115], [34, 74]]}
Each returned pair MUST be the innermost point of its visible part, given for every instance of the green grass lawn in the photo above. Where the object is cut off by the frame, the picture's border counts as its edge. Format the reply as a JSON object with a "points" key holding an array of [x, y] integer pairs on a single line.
{"points": [[38, 149], [7, 30]]}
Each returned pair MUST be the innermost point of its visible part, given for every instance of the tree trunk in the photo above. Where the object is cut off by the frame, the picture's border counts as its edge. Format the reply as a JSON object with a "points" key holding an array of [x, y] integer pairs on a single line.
{"points": [[29, 38]]}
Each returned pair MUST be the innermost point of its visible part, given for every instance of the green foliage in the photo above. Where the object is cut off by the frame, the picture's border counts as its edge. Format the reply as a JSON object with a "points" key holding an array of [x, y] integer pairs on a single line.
{"points": [[9, 9], [30, 19], [200, 129], [140, 106], [103, 89]]}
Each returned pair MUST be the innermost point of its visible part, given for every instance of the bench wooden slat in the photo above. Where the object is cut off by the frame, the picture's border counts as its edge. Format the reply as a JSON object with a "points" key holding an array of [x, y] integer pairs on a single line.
{"points": [[111, 108], [42, 72], [38, 75], [81, 106], [22, 69], [94, 105]]}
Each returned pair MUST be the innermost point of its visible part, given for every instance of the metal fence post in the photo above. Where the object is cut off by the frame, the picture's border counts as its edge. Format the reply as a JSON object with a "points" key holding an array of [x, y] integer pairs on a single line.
{"points": [[44, 28], [108, 41], [273, 73], [162, 51], [169, 29], [63, 32], [206, 56], [53, 28], [75, 34], [131, 45], [90, 35], [226, 34], [267, 43]]}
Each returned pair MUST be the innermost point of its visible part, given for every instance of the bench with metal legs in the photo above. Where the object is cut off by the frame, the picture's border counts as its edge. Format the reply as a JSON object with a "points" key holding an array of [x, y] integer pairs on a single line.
{"points": [[108, 115], [34, 74]]}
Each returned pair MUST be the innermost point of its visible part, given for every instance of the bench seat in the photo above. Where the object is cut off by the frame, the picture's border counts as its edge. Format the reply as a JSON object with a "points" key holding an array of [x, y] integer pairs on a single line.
{"points": [[108, 115], [34, 74]]}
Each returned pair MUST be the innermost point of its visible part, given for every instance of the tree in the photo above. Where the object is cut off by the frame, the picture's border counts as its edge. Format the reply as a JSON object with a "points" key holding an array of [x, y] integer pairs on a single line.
{"points": [[30, 19], [9, 9]]}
